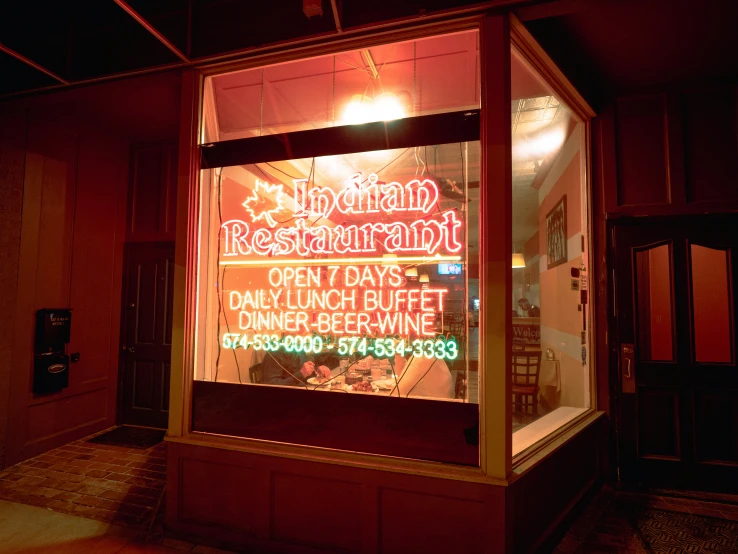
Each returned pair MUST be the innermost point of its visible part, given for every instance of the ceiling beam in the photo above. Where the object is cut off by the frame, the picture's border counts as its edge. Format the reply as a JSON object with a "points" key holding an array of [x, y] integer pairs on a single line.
{"points": [[150, 28], [337, 19], [34, 65]]}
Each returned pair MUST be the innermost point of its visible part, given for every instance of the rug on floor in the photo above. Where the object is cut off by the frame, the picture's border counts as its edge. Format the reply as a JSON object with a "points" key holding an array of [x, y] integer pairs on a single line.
{"points": [[130, 437], [677, 533]]}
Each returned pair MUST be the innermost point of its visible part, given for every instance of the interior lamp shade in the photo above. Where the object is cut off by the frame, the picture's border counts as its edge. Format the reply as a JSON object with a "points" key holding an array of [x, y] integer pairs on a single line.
{"points": [[411, 272], [518, 260], [423, 278]]}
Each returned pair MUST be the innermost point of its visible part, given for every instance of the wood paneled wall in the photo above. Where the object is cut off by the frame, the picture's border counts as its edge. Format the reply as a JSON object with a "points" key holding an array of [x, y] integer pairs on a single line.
{"points": [[669, 153], [152, 203], [672, 152], [12, 159], [272, 504], [70, 255]]}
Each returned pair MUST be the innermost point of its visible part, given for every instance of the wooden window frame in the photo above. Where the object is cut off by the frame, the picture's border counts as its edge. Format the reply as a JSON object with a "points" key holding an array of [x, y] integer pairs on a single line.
{"points": [[497, 35]]}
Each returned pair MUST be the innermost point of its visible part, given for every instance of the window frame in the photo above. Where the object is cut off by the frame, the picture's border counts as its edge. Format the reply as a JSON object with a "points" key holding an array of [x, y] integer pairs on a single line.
{"points": [[498, 34]]}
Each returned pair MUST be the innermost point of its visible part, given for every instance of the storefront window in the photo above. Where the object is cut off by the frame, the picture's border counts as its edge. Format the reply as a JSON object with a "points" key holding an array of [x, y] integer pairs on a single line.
{"points": [[347, 274], [550, 311]]}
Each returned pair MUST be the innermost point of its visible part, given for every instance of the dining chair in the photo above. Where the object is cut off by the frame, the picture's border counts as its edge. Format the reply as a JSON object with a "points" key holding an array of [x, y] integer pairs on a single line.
{"points": [[255, 373], [526, 366]]}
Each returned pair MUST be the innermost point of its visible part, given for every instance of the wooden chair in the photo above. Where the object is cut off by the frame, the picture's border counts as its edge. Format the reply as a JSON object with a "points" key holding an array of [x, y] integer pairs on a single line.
{"points": [[526, 367], [255, 373]]}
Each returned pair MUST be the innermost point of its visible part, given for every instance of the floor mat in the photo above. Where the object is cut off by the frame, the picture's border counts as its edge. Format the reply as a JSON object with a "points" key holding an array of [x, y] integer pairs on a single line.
{"points": [[130, 437], [675, 533]]}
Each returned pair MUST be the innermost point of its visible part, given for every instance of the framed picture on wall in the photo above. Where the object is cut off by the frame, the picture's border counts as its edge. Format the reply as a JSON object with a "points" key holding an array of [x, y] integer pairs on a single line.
{"points": [[556, 253]]}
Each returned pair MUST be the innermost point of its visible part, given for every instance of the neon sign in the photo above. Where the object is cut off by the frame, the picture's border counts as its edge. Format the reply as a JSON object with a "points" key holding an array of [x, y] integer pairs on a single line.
{"points": [[323, 271], [430, 233]]}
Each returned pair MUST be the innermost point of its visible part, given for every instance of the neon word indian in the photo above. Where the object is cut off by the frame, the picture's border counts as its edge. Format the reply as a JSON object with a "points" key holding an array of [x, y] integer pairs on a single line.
{"points": [[431, 231]]}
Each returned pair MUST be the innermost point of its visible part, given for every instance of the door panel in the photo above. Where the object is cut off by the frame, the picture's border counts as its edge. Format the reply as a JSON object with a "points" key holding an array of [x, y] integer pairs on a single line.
{"points": [[654, 303], [710, 304], [678, 400], [148, 334], [658, 436]]}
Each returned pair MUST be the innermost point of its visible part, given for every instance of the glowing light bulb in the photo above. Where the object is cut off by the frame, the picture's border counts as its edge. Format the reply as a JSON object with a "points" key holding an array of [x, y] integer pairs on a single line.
{"points": [[362, 109], [388, 107]]}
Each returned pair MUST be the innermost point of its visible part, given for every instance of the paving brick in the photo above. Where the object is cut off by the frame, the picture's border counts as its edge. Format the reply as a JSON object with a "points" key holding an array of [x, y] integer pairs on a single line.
{"points": [[107, 484], [63, 476], [112, 505], [139, 457], [69, 486], [114, 495], [12, 477], [66, 496], [61, 506], [84, 510], [42, 465], [91, 490], [120, 477], [99, 473], [107, 516], [141, 500], [87, 500], [128, 519], [117, 468], [134, 510], [143, 482], [153, 492]]}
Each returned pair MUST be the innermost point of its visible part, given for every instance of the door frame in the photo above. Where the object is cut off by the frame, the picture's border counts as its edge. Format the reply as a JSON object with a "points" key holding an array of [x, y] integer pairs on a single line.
{"points": [[613, 338], [123, 320]]}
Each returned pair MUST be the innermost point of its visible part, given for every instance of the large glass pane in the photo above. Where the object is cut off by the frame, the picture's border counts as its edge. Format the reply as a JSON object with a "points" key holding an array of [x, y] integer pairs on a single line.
{"points": [[361, 268], [338, 285], [386, 82], [711, 304], [653, 304], [550, 358]]}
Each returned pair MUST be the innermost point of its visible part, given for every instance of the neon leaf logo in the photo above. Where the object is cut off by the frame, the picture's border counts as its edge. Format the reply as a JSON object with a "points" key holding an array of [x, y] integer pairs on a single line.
{"points": [[258, 203]]}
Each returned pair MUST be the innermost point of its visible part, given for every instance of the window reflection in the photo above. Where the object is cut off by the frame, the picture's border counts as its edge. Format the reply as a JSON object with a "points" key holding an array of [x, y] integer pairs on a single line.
{"points": [[711, 304], [653, 304]]}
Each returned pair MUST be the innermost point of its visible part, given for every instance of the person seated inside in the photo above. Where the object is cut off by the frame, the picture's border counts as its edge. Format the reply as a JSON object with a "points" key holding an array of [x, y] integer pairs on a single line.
{"points": [[419, 376], [293, 369], [528, 309]]}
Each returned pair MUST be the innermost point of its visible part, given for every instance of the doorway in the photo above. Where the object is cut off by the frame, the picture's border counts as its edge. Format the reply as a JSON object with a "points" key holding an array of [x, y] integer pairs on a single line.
{"points": [[674, 315], [147, 334]]}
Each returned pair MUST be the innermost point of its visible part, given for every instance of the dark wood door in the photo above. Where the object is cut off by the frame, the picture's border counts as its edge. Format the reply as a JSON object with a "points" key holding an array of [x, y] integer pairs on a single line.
{"points": [[147, 340], [675, 306]]}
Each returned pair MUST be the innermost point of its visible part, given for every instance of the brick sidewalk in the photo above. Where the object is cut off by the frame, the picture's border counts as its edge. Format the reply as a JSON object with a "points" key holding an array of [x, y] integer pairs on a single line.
{"points": [[107, 483]]}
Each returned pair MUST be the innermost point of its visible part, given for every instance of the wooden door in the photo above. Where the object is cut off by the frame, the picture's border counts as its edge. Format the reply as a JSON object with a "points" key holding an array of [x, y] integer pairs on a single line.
{"points": [[147, 336], [675, 306]]}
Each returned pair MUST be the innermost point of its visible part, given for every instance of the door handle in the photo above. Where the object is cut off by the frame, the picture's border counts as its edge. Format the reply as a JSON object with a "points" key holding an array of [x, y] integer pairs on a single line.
{"points": [[627, 351], [131, 349]]}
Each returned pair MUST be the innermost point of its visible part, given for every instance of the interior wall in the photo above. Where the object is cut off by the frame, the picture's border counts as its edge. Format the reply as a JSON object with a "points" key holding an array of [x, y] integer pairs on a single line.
{"points": [[70, 254], [561, 321]]}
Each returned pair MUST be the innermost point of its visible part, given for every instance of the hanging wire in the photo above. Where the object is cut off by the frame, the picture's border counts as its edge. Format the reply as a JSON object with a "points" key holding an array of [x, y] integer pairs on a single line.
{"points": [[334, 91], [261, 105], [415, 78]]}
